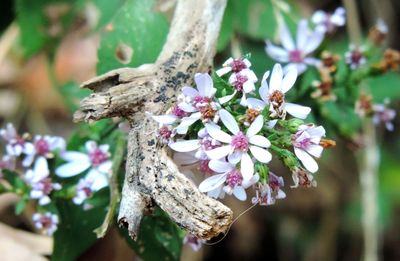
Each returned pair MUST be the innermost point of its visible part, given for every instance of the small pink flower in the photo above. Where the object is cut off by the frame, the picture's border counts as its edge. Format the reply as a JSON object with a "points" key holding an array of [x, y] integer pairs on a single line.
{"points": [[306, 144], [46, 222], [194, 242], [326, 22], [42, 146], [15, 143], [234, 65], [382, 114], [355, 57], [268, 193]]}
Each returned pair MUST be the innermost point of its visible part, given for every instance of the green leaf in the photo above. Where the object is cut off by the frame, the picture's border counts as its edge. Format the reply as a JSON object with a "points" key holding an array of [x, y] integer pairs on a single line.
{"points": [[75, 231], [36, 24], [136, 37], [18, 185], [258, 19], [342, 117], [159, 238], [384, 86], [21, 205], [226, 31]]}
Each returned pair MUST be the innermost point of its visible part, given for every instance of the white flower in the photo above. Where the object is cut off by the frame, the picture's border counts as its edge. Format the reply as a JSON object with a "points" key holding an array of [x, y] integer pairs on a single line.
{"points": [[197, 102], [40, 182], [166, 133], [6, 162], [43, 146], [268, 193], [46, 222], [355, 57], [243, 82], [194, 242], [306, 142], [328, 22], [384, 115], [97, 161], [237, 145], [232, 181], [15, 143], [297, 55], [234, 65], [88, 185], [204, 143], [274, 95]]}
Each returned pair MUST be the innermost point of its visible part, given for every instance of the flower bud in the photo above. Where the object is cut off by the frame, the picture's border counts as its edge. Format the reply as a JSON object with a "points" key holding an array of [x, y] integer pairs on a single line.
{"points": [[289, 159], [293, 125]]}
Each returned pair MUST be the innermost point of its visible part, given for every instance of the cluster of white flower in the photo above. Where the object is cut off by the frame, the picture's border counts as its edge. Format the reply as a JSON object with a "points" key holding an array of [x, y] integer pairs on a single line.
{"points": [[299, 54], [230, 137], [35, 155]]}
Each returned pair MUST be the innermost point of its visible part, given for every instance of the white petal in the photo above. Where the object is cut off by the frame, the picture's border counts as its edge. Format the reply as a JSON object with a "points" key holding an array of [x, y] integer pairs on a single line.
{"points": [[239, 193], [276, 78], [190, 91], [246, 167], [319, 17], [219, 153], [220, 166], [227, 98], [314, 41], [223, 70], [272, 123], [262, 155], [235, 157], [286, 38], [248, 86], [229, 122], [44, 200], [212, 182], [260, 141], [216, 133], [216, 193], [105, 167], [315, 150], [289, 80], [90, 145], [185, 145], [72, 169], [309, 163], [302, 34], [277, 53], [297, 111], [317, 131], [74, 156], [255, 127], [41, 168], [28, 160], [280, 194], [264, 92], [312, 61], [165, 119], [256, 104], [204, 84], [186, 107], [188, 121], [99, 180]]}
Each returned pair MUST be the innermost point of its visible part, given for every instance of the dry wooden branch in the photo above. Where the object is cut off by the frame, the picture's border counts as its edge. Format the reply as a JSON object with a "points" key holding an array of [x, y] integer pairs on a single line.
{"points": [[151, 176]]}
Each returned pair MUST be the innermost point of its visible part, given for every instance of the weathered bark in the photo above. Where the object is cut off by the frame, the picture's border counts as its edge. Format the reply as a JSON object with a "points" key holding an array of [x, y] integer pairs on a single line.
{"points": [[151, 176]]}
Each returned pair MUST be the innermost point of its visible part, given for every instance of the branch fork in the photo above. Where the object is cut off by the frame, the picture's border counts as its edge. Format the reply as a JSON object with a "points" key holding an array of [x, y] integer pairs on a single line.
{"points": [[151, 175]]}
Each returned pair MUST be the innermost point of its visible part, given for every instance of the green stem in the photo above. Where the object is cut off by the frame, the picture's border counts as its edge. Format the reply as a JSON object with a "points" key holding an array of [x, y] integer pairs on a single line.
{"points": [[369, 166]]}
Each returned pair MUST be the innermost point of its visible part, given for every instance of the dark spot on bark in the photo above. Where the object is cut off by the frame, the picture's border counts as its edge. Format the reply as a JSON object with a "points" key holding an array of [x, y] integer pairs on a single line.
{"points": [[170, 177], [151, 142]]}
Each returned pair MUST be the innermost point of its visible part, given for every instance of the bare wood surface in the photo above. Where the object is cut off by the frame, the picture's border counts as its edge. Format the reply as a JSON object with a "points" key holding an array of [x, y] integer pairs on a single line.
{"points": [[151, 176]]}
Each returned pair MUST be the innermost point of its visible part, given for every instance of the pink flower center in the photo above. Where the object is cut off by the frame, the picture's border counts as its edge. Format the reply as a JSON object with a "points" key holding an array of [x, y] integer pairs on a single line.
{"points": [[240, 142], [208, 144], [46, 221], [203, 167], [87, 191], [200, 101], [303, 143], [178, 112], [356, 57], [296, 56], [46, 186], [274, 182], [240, 80], [238, 65], [234, 178], [97, 157], [165, 133], [42, 147]]}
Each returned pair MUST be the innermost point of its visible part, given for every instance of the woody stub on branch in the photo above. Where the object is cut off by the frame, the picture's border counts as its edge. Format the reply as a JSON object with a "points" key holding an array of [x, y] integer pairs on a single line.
{"points": [[151, 175]]}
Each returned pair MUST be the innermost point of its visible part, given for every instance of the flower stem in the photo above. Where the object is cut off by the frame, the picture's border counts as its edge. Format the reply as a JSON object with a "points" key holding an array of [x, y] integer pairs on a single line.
{"points": [[368, 167]]}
